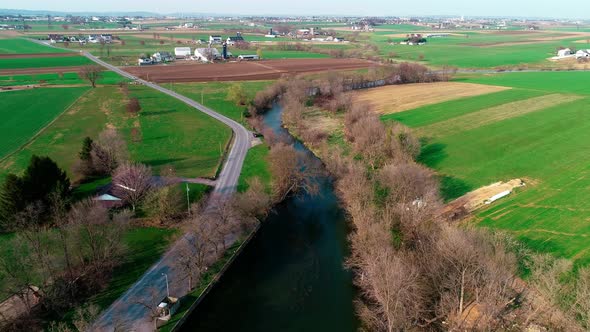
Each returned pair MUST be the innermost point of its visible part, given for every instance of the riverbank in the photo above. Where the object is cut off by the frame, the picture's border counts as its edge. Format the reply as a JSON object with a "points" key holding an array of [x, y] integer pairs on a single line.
{"points": [[189, 302]]}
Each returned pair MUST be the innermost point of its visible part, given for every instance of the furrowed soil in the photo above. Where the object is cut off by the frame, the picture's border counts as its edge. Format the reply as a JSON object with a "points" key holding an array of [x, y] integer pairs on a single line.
{"points": [[242, 71]]}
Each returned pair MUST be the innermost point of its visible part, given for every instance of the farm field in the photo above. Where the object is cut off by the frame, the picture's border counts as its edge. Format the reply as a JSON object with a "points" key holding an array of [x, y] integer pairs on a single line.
{"points": [[23, 46], [243, 71], [24, 113], [34, 62], [171, 133], [487, 49], [67, 78], [398, 98], [214, 95], [538, 131]]}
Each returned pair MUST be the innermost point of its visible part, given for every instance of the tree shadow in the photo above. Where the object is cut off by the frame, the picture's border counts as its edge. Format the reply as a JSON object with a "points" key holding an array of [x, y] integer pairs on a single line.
{"points": [[431, 155], [452, 187]]}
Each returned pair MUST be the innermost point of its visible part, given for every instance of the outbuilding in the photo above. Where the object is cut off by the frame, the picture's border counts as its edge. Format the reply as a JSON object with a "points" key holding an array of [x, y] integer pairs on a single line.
{"points": [[182, 52], [207, 54]]}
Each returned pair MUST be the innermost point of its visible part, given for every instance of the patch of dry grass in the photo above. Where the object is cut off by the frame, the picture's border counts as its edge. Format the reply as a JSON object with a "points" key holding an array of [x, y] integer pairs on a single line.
{"points": [[399, 98]]}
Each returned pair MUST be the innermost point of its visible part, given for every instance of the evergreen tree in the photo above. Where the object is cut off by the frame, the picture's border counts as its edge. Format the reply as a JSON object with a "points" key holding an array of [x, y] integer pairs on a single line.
{"points": [[42, 177], [85, 153], [11, 200]]}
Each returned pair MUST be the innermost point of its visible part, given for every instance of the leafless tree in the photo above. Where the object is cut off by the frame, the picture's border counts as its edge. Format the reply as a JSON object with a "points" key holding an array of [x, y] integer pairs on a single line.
{"points": [[92, 73], [132, 182], [292, 171], [109, 151]]}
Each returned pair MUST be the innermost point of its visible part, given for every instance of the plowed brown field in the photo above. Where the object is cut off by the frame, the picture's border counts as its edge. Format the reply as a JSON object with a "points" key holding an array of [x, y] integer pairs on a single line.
{"points": [[241, 71]]}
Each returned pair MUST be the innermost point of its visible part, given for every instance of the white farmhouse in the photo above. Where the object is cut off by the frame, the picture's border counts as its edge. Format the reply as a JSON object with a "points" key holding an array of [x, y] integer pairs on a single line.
{"points": [[207, 54], [564, 53], [215, 39]]}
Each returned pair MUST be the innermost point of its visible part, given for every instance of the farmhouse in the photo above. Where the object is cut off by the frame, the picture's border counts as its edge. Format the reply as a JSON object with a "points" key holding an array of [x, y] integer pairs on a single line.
{"points": [[207, 54], [162, 57], [215, 40], [564, 52], [235, 40], [182, 52]]}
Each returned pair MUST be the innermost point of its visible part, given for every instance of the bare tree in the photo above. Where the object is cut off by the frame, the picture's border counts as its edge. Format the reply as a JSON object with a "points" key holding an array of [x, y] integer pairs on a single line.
{"points": [[92, 73], [292, 171], [109, 151], [132, 182]]}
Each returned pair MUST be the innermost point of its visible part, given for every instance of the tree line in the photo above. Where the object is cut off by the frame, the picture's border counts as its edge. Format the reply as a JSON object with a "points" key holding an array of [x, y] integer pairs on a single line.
{"points": [[415, 270]]}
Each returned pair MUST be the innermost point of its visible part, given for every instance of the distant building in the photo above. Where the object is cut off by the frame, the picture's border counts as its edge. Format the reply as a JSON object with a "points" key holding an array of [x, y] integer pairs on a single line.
{"points": [[215, 39], [235, 40], [583, 54], [182, 52], [110, 201], [163, 57], [207, 54], [564, 52]]}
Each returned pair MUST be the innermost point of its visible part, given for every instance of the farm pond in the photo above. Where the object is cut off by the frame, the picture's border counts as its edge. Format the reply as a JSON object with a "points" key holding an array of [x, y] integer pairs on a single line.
{"points": [[291, 276]]}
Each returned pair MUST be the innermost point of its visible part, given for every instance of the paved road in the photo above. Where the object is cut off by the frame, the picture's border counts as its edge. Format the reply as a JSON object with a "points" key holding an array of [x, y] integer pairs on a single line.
{"points": [[126, 308]]}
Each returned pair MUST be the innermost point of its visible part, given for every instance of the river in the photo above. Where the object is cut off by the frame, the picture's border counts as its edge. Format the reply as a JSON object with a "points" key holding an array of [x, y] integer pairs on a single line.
{"points": [[290, 277]]}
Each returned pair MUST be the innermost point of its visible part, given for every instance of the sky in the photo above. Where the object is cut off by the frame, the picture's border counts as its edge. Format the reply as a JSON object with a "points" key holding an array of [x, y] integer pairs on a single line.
{"points": [[512, 8]]}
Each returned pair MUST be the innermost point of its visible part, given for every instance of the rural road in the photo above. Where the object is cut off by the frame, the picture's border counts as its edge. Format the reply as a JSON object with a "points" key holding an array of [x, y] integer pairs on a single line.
{"points": [[129, 308], [126, 308]]}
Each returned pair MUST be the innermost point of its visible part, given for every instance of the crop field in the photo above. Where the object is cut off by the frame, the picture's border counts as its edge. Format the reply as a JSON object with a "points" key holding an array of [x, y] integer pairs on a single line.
{"points": [[398, 98], [34, 62], [67, 78], [26, 112], [540, 132], [478, 49], [23, 46], [171, 133]]}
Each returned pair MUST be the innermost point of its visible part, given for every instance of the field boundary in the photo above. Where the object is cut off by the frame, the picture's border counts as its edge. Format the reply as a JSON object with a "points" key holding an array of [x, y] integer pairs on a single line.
{"points": [[34, 137]]}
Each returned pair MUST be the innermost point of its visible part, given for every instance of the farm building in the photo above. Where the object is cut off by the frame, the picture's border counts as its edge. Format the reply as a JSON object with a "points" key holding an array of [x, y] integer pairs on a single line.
{"points": [[564, 52], [207, 54], [215, 40], [182, 52], [581, 54], [248, 57], [162, 57], [235, 40]]}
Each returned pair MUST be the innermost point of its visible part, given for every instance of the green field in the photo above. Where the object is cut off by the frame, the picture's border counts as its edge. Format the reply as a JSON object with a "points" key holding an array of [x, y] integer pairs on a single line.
{"points": [[108, 77], [171, 132], [66, 61], [255, 165], [23, 46], [214, 95], [544, 142], [26, 112]]}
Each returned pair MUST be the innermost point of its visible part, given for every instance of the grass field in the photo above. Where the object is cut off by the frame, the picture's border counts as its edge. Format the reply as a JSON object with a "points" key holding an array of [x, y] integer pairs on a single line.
{"points": [[108, 77], [23, 46], [540, 132], [172, 133], [66, 61], [26, 112], [255, 165], [214, 95]]}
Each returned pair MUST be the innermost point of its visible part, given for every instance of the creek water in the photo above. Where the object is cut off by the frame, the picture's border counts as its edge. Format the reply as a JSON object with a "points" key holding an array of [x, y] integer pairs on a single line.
{"points": [[290, 277]]}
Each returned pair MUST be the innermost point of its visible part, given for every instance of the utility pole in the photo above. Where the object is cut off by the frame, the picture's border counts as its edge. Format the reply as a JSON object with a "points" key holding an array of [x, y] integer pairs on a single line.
{"points": [[167, 288], [188, 200]]}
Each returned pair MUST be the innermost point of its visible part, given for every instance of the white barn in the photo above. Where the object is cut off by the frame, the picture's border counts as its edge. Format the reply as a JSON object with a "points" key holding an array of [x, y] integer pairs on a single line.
{"points": [[182, 52]]}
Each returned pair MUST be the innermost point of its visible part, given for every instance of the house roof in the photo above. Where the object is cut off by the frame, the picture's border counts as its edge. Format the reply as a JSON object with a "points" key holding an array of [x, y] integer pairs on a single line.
{"points": [[236, 38]]}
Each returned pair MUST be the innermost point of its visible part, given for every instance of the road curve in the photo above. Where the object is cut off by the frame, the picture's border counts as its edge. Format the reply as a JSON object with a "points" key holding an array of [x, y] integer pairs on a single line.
{"points": [[124, 308], [129, 309]]}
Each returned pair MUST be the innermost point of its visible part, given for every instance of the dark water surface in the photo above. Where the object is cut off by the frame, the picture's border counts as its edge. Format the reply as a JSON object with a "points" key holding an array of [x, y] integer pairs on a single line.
{"points": [[290, 276]]}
